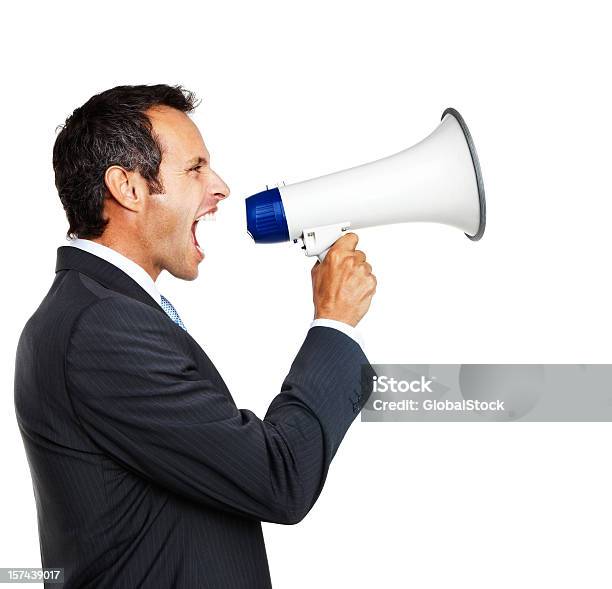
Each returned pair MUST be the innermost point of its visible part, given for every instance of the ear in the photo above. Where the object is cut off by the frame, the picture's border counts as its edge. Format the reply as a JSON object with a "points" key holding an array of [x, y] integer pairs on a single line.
{"points": [[127, 188]]}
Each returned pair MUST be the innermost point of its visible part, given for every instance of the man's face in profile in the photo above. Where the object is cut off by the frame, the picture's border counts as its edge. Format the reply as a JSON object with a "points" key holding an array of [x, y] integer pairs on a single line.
{"points": [[191, 189]]}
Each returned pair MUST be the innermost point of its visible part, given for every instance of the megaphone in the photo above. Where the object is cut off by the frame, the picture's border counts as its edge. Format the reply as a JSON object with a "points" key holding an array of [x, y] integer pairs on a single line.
{"points": [[437, 180]]}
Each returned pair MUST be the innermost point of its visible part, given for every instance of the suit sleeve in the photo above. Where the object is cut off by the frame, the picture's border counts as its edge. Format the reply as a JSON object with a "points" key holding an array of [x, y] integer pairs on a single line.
{"points": [[136, 389]]}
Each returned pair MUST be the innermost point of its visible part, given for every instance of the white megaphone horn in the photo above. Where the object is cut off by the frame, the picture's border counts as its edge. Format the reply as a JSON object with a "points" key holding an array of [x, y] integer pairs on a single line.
{"points": [[437, 180]]}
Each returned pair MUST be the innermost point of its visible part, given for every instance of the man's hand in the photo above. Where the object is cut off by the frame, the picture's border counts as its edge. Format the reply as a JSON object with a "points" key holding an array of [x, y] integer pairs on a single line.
{"points": [[343, 284]]}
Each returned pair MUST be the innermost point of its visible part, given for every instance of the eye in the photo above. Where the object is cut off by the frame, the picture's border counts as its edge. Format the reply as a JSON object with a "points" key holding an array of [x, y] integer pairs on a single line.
{"points": [[196, 168]]}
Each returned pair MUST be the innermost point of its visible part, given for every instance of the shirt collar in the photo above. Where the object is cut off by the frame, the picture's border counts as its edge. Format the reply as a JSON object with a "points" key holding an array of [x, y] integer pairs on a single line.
{"points": [[131, 268]]}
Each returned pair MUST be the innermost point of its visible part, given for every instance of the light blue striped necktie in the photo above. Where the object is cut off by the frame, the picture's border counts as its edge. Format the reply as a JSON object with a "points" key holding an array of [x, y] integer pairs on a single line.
{"points": [[166, 305]]}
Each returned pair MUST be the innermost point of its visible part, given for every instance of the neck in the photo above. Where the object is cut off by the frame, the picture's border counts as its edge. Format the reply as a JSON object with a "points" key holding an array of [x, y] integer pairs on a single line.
{"points": [[134, 251]]}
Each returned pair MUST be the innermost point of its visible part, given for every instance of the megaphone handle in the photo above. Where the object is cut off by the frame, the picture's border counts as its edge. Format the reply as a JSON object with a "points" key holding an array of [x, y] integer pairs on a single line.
{"points": [[317, 240]]}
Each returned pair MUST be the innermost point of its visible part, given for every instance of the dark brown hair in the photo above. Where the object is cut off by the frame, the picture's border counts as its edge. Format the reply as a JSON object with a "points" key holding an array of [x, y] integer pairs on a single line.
{"points": [[111, 128]]}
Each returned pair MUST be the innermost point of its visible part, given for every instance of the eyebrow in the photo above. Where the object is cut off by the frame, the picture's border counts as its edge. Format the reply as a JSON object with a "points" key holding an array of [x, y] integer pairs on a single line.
{"points": [[196, 161]]}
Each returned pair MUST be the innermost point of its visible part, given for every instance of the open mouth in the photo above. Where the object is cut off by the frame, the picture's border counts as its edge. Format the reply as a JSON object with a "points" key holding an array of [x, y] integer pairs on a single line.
{"points": [[194, 238], [209, 216]]}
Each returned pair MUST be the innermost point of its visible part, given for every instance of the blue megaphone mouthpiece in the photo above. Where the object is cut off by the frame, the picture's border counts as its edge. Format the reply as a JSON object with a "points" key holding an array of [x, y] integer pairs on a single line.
{"points": [[266, 221]]}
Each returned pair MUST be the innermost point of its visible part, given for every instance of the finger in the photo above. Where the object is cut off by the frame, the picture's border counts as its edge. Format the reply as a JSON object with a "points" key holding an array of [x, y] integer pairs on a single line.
{"points": [[347, 242], [360, 256]]}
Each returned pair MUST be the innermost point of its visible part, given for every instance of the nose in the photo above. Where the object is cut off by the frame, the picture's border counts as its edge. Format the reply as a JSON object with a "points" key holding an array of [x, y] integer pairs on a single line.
{"points": [[221, 189]]}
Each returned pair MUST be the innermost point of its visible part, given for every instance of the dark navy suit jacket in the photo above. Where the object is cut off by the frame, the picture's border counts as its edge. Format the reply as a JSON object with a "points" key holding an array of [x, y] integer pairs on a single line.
{"points": [[145, 472]]}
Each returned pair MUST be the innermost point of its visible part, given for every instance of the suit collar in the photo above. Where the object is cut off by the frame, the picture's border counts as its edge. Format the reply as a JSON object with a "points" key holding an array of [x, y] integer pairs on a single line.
{"points": [[116, 258], [72, 258]]}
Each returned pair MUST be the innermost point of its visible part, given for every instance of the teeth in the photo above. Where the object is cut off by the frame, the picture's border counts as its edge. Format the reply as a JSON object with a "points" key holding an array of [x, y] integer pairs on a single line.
{"points": [[210, 216]]}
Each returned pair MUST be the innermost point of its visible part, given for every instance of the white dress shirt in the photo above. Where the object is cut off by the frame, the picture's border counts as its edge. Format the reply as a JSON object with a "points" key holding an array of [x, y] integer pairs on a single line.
{"points": [[142, 277]]}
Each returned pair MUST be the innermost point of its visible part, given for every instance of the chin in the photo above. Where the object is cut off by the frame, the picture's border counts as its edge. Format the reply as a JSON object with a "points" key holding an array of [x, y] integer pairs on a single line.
{"points": [[186, 271], [185, 267], [193, 275]]}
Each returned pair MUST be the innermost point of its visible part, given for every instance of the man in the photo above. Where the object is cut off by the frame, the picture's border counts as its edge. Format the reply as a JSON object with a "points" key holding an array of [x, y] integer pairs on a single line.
{"points": [[145, 472]]}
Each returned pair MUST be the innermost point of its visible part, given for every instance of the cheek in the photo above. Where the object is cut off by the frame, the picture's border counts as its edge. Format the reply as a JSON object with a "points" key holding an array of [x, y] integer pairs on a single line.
{"points": [[163, 217]]}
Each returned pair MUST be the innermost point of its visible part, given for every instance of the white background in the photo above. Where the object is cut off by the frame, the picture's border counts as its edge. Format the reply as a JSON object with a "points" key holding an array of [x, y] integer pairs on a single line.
{"points": [[292, 91]]}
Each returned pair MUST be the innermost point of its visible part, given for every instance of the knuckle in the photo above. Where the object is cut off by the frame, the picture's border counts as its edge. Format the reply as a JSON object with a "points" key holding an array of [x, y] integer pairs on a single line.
{"points": [[333, 254]]}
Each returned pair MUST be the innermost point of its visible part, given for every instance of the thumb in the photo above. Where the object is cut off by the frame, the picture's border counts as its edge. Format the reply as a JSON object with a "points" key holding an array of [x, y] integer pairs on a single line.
{"points": [[347, 242]]}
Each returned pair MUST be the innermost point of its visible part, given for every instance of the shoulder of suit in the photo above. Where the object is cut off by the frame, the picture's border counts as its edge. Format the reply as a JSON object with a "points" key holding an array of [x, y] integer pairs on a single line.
{"points": [[109, 307]]}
